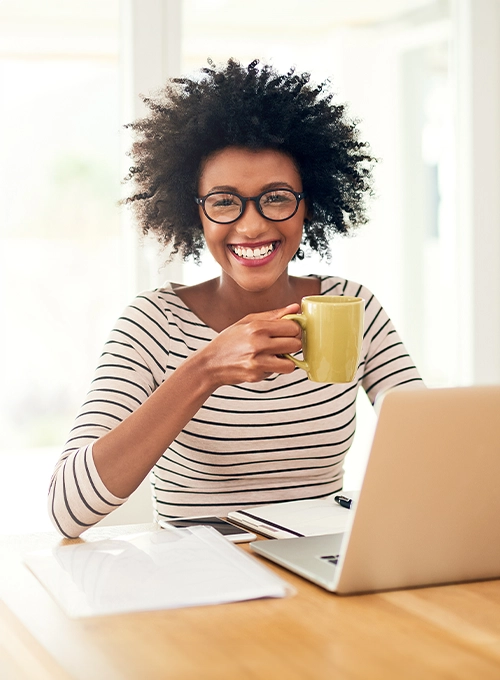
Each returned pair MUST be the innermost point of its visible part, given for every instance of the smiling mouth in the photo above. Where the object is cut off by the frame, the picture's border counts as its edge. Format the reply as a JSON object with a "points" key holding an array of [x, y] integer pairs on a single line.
{"points": [[258, 253]]}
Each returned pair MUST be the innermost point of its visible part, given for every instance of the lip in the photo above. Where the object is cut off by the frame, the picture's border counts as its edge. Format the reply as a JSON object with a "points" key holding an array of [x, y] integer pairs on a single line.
{"points": [[254, 263]]}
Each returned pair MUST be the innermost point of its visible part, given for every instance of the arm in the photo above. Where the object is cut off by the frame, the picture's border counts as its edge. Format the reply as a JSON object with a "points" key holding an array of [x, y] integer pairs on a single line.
{"points": [[134, 414], [387, 363]]}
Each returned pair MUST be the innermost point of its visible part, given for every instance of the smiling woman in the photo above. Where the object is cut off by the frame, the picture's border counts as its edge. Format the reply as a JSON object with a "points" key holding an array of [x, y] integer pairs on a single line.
{"points": [[194, 382], [254, 247]]}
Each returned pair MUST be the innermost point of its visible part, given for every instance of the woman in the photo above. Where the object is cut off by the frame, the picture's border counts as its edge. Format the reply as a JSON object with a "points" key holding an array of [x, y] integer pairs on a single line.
{"points": [[192, 384]]}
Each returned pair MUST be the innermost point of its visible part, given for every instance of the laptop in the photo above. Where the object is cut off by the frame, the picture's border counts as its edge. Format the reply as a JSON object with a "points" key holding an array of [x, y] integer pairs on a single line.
{"points": [[428, 512]]}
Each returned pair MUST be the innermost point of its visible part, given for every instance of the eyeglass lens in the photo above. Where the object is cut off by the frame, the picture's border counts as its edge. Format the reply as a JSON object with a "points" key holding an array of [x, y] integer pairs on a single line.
{"points": [[275, 205]]}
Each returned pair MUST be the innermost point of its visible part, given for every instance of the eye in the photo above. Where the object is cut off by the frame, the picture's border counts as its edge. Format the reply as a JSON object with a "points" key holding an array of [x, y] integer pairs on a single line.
{"points": [[222, 201], [278, 197]]}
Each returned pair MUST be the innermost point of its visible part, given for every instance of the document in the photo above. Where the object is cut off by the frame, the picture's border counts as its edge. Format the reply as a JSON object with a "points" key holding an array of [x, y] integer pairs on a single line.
{"points": [[314, 517], [152, 570]]}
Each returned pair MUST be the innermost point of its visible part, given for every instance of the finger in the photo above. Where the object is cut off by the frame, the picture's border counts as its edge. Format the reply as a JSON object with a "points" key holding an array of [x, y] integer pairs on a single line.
{"points": [[283, 365], [267, 365], [289, 309], [266, 331], [285, 328], [277, 313], [287, 345], [281, 345]]}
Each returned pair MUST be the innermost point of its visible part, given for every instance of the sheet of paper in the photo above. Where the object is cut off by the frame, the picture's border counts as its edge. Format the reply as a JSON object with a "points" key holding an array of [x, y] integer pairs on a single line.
{"points": [[313, 517], [153, 570]]}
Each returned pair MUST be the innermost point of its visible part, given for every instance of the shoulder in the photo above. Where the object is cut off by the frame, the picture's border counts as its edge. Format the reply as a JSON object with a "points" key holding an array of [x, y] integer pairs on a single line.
{"points": [[154, 303], [149, 310], [336, 285]]}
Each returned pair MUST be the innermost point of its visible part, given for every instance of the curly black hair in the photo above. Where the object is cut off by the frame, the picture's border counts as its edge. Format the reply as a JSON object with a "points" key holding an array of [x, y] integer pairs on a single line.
{"points": [[254, 107]]}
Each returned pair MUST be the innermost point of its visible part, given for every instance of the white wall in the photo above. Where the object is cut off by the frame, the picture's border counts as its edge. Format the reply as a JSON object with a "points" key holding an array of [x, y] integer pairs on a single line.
{"points": [[477, 50]]}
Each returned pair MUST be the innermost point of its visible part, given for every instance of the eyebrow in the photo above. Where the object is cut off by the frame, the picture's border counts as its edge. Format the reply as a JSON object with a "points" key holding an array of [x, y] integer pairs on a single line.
{"points": [[266, 187]]}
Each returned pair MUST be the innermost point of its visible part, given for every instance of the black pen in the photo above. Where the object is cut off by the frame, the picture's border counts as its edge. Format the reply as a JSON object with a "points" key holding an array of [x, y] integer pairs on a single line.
{"points": [[343, 501]]}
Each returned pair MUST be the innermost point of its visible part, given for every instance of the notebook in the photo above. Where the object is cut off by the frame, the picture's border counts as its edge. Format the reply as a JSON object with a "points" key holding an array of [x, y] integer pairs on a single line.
{"points": [[428, 512], [311, 517]]}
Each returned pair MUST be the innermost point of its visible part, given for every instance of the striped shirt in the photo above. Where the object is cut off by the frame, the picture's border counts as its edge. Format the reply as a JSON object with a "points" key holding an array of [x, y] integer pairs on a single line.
{"points": [[284, 438]]}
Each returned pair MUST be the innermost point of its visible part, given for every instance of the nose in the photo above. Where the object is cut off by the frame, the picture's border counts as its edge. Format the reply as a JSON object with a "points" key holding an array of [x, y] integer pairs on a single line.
{"points": [[251, 223]]}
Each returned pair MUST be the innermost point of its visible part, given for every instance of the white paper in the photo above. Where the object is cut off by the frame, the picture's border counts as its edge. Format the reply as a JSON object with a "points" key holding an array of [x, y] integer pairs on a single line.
{"points": [[152, 570], [314, 517]]}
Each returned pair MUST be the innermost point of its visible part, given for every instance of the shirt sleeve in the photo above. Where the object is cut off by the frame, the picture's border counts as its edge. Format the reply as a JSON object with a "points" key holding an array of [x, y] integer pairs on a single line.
{"points": [[130, 368], [386, 363]]}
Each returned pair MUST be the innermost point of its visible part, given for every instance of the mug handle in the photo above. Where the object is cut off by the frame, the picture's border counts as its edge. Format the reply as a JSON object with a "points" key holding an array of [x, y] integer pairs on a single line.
{"points": [[301, 320]]}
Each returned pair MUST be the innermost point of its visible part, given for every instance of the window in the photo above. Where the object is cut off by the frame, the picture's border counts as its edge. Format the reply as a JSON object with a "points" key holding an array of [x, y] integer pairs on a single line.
{"points": [[68, 264], [60, 243]]}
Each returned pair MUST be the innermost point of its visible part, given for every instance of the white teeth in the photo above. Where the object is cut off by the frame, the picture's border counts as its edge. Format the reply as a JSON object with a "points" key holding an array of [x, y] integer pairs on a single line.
{"points": [[253, 253]]}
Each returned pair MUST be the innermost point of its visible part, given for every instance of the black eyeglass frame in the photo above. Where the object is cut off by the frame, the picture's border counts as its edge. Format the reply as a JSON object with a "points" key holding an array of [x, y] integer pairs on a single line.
{"points": [[200, 200]]}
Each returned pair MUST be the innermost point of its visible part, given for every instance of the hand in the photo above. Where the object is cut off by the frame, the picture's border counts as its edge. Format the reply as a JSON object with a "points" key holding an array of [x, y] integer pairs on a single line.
{"points": [[250, 350]]}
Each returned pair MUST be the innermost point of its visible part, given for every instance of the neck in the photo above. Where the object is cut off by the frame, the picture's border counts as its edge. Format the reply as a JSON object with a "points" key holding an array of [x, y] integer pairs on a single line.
{"points": [[283, 292]]}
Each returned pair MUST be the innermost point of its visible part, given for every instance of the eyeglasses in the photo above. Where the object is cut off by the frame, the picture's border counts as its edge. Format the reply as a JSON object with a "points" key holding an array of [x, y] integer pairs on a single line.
{"points": [[225, 207]]}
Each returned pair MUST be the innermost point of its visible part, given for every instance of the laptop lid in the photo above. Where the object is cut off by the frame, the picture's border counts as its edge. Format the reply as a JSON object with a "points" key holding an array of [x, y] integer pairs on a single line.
{"points": [[429, 508]]}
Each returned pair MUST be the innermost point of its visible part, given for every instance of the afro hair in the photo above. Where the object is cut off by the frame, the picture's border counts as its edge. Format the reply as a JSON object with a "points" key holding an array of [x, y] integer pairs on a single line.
{"points": [[253, 107]]}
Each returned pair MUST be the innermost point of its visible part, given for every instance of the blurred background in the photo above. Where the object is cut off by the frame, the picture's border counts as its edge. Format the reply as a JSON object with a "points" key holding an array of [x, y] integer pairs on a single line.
{"points": [[421, 76]]}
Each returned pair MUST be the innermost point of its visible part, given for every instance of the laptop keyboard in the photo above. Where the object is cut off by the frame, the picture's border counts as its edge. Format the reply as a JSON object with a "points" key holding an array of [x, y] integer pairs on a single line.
{"points": [[332, 559]]}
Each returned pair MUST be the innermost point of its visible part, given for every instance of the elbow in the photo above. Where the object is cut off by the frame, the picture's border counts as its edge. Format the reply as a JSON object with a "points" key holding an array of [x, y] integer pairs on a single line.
{"points": [[62, 523], [62, 518]]}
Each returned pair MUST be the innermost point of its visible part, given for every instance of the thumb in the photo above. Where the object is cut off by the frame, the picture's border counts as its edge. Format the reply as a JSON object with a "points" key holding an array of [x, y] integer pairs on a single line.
{"points": [[289, 309], [275, 314]]}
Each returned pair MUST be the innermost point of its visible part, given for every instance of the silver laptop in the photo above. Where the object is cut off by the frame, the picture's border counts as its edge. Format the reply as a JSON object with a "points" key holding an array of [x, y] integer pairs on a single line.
{"points": [[429, 508]]}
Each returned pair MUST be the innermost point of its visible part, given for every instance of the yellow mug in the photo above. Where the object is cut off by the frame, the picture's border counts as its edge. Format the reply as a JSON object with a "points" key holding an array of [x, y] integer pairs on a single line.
{"points": [[332, 336]]}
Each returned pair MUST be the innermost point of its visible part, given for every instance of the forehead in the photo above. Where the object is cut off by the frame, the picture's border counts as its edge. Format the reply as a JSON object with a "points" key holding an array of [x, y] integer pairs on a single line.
{"points": [[248, 170]]}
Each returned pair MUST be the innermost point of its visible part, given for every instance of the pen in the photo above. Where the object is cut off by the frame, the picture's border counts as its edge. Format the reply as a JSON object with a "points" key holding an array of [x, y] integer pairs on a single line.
{"points": [[343, 501]]}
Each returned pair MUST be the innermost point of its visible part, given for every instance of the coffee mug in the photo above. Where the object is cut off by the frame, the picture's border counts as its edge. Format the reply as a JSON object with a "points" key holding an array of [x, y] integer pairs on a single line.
{"points": [[332, 335]]}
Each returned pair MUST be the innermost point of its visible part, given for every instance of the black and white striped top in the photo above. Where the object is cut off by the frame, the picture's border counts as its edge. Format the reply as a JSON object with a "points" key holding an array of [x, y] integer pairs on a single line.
{"points": [[284, 438]]}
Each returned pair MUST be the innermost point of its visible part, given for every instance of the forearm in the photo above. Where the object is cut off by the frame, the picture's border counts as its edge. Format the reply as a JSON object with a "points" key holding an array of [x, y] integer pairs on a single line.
{"points": [[124, 456], [93, 479]]}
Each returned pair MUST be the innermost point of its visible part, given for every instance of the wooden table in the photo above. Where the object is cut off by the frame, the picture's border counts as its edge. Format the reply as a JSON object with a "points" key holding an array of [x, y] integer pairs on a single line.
{"points": [[448, 632]]}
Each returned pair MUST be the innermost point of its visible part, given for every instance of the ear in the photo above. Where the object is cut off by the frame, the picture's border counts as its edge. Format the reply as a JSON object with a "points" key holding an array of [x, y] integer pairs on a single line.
{"points": [[309, 212]]}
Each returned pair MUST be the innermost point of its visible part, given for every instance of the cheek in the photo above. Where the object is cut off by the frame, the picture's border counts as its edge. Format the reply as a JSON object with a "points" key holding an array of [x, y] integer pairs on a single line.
{"points": [[215, 234], [296, 230]]}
